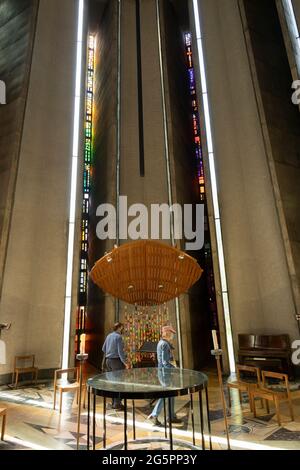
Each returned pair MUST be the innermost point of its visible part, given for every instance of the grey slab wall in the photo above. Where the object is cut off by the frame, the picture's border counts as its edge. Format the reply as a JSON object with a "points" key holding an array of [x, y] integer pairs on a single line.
{"points": [[273, 77], [296, 5], [35, 272], [260, 293], [17, 28], [194, 306]]}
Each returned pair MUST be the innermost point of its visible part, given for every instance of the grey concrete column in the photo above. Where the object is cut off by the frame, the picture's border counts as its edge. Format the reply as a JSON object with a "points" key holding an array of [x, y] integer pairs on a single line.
{"points": [[35, 273], [260, 293], [290, 21]]}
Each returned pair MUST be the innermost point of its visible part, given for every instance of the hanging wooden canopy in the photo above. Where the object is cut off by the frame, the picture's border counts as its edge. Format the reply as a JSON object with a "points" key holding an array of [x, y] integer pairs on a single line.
{"points": [[146, 272]]}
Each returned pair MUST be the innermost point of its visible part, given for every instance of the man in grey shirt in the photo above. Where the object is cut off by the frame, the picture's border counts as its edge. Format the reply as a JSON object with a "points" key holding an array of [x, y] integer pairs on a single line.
{"points": [[114, 355]]}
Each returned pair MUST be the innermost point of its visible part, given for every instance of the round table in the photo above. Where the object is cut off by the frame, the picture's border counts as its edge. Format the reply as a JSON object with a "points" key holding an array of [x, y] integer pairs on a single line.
{"points": [[148, 383]]}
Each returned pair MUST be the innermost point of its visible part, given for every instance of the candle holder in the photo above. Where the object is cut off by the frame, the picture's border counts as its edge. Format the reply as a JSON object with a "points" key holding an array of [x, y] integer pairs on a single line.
{"points": [[217, 353], [81, 358], [4, 326]]}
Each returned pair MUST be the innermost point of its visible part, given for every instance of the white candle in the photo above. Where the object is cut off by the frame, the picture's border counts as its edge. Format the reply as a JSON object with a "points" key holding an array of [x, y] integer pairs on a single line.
{"points": [[215, 339], [82, 344]]}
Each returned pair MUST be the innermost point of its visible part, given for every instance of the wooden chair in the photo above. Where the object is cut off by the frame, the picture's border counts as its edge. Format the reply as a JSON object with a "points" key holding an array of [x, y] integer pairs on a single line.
{"points": [[67, 386], [266, 392], [242, 385], [25, 369], [3, 414]]}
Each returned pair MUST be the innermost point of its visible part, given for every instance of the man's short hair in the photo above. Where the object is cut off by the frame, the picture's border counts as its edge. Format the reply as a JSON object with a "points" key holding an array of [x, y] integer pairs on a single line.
{"points": [[117, 326]]}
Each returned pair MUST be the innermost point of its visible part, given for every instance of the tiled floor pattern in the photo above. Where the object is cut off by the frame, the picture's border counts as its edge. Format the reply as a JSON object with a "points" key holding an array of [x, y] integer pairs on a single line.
{"points": [[33, 424]]}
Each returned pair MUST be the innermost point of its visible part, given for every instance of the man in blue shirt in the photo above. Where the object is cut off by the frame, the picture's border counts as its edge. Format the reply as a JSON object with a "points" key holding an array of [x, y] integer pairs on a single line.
{"points": [[114, 355], [165, 361]]}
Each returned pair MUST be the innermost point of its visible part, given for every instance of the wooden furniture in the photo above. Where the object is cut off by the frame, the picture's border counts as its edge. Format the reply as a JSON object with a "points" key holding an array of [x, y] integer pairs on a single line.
{"points": [[147, 354], [268, 352], [24, 365], [244, 385], [266, 392], [66, 385], [3, 414]]}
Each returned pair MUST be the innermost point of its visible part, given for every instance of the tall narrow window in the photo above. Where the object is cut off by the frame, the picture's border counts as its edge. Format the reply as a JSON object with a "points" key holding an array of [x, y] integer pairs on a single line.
{"points": [[73, 192], [217, 218], [209, 272], [87, 169]]}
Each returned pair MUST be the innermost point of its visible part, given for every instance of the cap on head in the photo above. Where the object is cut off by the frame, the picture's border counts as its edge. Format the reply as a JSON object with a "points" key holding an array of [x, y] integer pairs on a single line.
{"points": [[168, 329]]}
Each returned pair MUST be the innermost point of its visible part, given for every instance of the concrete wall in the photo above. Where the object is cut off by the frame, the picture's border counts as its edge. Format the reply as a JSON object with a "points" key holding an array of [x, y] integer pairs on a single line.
{"points": [[296, 5], [17, 26], [282, 135], [260, 293], [195, 314], [152, 188], [35, 272]]}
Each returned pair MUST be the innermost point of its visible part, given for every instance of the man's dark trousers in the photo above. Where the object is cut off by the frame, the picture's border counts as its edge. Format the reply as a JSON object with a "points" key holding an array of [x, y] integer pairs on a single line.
{"points": [[112, 365]]}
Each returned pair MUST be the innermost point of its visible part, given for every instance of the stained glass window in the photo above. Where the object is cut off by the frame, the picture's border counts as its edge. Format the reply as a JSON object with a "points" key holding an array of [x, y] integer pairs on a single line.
{"points": [[88, 148]]}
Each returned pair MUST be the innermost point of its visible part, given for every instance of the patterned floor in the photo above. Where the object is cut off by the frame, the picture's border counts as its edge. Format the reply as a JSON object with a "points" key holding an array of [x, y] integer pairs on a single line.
{"points": [[33, 424], [155, 444]]}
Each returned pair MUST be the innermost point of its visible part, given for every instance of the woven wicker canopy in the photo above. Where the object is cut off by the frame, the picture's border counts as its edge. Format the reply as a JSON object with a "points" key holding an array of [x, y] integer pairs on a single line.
{"points": [[146, 272]]}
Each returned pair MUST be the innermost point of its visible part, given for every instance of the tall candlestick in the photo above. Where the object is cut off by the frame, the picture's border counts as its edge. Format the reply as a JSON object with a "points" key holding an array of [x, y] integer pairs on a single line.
{"points": [[215, 339], [218, 353], [82, 344]]}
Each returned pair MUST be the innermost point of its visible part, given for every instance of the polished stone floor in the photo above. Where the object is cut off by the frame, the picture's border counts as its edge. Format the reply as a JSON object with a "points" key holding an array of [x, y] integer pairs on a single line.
{"points": [[33, 424]]}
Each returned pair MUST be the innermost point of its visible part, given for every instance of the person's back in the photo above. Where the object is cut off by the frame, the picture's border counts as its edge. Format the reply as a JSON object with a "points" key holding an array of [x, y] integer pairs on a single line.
{"points": [[113, 346], [114, 355]]}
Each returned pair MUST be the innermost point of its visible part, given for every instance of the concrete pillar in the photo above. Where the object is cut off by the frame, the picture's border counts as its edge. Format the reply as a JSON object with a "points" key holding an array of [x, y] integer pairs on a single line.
{"points": [[260, 293], [36, 259]]}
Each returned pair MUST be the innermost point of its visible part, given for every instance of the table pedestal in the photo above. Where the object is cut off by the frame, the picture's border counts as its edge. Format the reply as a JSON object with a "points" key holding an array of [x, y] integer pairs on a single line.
{"points": [[166, 428]]}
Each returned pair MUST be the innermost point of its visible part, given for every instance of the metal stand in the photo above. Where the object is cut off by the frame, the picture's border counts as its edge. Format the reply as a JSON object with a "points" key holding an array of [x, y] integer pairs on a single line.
{"points": [[94, 420], [217, 353], [125, 425], [167, 406], [170, 423], [165, 419], [193, 419], [133, 419], [88, 417], [208, 418], [201, 419], [81, 358], [104, 422]]}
